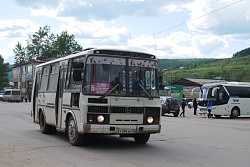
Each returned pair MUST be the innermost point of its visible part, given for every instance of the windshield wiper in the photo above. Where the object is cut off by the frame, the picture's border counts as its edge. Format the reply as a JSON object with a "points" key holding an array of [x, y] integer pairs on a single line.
{"points": [[109, 91], [145, 91]]}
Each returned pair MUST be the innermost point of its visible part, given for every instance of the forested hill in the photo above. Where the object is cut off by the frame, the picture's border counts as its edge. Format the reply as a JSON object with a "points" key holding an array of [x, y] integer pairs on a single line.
{"points": [[242, 53], [195, 62], [185, 63]]}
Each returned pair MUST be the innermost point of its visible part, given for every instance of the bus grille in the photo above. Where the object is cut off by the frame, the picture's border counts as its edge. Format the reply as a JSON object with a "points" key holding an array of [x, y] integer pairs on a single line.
{"points": [[134, 110], [152, 111], [97, 109]]}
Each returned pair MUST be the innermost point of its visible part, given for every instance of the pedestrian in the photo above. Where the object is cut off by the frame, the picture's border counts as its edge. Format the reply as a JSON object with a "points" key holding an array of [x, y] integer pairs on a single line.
{"points": [[195, 106], [25, 97], [209, 109], [183, 105]]}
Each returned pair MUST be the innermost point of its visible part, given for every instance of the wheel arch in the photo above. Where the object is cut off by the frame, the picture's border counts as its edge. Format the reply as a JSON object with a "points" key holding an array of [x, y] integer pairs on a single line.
{"points": [[69, 113]]}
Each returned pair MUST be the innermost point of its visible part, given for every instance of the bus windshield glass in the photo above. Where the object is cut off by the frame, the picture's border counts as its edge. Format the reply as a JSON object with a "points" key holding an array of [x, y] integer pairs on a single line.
{"points": [[206, 93], [114, 77], [142, 81], [104, 73]]}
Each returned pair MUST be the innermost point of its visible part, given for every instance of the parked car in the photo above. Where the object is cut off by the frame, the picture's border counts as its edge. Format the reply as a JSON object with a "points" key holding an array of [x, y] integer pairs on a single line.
{"points": [[170, 105], [1, 96], [12, 95]]}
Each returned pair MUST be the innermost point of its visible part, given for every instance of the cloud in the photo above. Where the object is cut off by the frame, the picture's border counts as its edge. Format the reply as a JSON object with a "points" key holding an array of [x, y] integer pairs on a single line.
{"points": [[206, 44], [224, 55], [37, 4], [102, 33], [220, 17], [102, 9], [94, 24], [16, 28]]}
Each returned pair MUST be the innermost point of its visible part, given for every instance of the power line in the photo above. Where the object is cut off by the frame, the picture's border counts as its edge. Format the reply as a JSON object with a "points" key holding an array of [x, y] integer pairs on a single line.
{"points": [[199, 17], [191, 20]]}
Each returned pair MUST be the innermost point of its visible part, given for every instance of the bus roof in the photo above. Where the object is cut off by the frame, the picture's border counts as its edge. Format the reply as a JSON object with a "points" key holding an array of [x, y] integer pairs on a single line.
{"points": [[118, 52], [243, 84]]}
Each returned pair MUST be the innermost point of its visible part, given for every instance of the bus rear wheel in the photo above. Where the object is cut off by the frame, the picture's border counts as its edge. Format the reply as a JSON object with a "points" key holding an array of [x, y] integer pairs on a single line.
{"points": [[141, 138], [75, 138], [235, 113], [44, 127]]}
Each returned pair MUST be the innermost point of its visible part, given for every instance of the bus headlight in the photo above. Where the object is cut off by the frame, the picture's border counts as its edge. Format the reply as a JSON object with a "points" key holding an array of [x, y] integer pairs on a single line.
{"points": [[150, 120], [100, 118]]}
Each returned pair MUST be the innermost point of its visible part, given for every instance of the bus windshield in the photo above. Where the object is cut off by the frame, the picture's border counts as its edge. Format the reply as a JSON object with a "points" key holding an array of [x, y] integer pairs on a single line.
{"points": [[112, 76], [206, 93]]}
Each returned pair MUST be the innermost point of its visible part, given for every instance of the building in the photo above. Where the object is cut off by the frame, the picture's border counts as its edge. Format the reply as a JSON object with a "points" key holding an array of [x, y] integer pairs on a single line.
{"points": [[189, 84], [23, 76]]}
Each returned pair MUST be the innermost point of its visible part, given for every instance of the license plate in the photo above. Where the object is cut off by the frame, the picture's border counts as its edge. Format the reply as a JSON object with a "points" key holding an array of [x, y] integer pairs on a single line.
{"points": [[126, 131]]}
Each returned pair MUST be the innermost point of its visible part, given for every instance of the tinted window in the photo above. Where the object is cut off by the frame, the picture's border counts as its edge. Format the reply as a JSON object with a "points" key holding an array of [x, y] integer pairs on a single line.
{"points": [[15, 92], [7, 92], [238, 91]]}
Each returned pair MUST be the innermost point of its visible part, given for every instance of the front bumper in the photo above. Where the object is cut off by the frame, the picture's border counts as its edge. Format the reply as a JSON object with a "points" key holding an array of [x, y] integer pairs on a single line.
{"points": [[120, 129]]}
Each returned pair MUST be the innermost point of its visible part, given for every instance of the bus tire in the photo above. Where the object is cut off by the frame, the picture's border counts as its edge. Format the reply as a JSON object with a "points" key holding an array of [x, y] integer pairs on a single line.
{"points": [[235, 113], [44, 127], [141, 138], [53, 130], [75, 138]]}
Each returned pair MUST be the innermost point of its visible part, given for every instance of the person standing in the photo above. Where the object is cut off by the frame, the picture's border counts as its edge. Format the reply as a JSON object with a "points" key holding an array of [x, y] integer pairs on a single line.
{"points": [[195, 106], [183, 105], [209, 109]]}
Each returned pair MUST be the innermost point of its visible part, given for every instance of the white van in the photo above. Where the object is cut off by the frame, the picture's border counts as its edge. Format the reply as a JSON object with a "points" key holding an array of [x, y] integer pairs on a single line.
{"points": [[12, 95]]}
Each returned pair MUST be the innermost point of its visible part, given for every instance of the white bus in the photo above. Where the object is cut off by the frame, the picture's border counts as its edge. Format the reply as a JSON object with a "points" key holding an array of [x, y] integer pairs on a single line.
{"points": [[98, 91], [228, 99]]}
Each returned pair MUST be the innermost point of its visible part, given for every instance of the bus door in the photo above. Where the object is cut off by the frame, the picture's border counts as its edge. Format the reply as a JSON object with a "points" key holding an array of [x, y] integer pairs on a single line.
{"points": [[222, 102], [35, 97], [60, 88]]}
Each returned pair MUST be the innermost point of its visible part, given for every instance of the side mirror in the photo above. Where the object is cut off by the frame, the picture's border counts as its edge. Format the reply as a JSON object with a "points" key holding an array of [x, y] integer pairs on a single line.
{"points": [[77, 75], [214, 90], [78, 65], [77, 70]]}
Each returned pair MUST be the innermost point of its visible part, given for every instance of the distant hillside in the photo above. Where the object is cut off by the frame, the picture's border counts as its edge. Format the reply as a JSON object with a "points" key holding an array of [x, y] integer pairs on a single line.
{"points": [[231, 69], [186, 63]]}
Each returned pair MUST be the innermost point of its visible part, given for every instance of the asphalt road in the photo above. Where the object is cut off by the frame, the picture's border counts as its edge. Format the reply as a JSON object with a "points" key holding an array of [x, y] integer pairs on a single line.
{"points": [[193, 141]]}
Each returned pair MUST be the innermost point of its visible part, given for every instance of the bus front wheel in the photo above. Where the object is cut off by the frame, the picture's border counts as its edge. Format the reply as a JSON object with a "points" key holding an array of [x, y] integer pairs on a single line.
{"points": [[44, 127], [141, 138], [235, 113], [75, 138]]}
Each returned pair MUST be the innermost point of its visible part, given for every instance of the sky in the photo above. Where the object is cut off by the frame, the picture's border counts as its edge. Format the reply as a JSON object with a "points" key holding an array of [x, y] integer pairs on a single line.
{"points": [[169, 29]]}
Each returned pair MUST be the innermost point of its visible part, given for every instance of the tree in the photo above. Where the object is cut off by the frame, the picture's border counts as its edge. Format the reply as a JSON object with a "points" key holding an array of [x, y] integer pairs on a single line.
{"points": [[65, 44], [4, 69], [42, 45], [38, 43], [19, 53]]}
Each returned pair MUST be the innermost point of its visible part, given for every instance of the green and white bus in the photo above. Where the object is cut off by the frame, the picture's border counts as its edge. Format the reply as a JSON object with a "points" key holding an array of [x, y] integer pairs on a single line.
{"points": [[98, 91]]}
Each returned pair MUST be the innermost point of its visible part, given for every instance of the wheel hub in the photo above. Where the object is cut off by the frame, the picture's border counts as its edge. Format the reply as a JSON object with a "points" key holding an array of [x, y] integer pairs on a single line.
{"points": [[72, 130]]}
